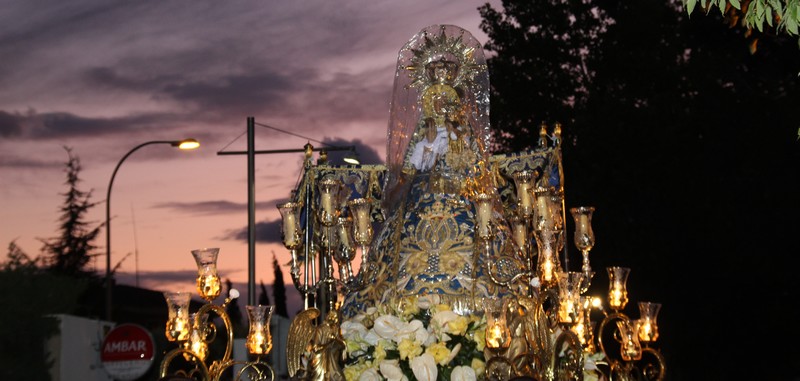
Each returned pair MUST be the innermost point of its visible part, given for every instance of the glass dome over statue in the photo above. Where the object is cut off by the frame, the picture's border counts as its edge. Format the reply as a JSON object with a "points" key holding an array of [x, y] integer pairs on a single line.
{"points": [[436, 163]]}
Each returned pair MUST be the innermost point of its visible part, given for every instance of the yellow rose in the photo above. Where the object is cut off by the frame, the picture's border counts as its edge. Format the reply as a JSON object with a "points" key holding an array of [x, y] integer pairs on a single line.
{"points": [[441, 307], [380, 351], [353, 372], [478, 366], [458, 326], [439, 352], [480, 339], [409, 349]]}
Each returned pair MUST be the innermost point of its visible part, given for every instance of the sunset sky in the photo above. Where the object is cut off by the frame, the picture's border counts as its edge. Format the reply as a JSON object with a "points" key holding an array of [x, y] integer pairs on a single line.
{"points": [[102, 77]]}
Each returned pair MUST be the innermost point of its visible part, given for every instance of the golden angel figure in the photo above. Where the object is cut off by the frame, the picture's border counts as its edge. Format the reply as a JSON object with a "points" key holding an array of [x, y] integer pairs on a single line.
{"points": [[322, 345]]}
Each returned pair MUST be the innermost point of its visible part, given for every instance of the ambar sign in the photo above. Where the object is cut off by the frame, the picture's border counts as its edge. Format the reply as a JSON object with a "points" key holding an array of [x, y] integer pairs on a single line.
{"points": [[128, 352]]}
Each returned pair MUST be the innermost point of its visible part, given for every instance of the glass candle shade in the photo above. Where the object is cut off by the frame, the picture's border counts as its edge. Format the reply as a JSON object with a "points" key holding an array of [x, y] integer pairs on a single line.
{"points": [[362, 221], [290, 213], [178, 321], [630, 348], [197, 337], [542, 214], [617, 289], [548, 264], [259, 340], [584, 236], [569, 297], [208, 284], [519, 231], [484, 214], [328, 203], [498, 336], [523, 182], [648, 327]]}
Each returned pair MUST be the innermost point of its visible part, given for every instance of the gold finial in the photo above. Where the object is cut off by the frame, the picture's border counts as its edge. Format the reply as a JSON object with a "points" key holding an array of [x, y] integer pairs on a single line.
{"points": [[543, 135], [557, 130], [309, 150]]}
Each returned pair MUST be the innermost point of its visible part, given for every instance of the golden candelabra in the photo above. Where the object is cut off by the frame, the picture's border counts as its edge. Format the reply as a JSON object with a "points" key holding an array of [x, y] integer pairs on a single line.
{"points": [[194, 332], [543, 328]]}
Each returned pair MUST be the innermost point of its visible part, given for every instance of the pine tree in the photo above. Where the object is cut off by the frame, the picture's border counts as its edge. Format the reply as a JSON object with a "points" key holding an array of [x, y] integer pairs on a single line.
{"points": [[263, 298], [69, 253], [235, 313], [279, 289]]}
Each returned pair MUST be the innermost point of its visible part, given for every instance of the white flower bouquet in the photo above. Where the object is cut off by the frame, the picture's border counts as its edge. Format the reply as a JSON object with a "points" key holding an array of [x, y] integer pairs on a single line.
{"points": [[414, 339]]}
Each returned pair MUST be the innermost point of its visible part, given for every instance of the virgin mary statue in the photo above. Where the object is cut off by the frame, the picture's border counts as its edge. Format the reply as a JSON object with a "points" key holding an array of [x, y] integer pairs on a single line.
{"points": [[437, 161]]}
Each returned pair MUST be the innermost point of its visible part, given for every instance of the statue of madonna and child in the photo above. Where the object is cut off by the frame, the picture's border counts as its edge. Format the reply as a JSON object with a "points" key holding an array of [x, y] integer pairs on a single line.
{"points": [[437, 157], [432, 246]]}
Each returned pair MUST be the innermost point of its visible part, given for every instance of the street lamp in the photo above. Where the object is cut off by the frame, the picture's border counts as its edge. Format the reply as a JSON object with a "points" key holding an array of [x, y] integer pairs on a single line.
{"points": [[185, 144]]}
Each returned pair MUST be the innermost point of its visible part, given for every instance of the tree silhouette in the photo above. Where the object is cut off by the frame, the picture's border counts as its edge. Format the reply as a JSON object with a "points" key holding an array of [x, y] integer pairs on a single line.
{"points": [[263, 297], [686, 144], [235, 313], [279, 289], [69, 253]]}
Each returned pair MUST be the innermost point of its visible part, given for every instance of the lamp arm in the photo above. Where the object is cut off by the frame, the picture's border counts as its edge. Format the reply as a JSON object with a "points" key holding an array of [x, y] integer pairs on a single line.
{"points": [[108, 220]]}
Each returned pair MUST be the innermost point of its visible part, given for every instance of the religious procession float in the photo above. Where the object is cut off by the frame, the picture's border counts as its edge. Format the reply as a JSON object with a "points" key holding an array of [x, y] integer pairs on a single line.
{"points": [[443, 264]]}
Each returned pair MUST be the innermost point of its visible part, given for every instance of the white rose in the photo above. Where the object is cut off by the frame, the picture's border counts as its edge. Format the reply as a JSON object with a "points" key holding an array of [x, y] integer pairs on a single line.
{"points": [[424, 367], [371, 337], [391, 370], [463, 373]]}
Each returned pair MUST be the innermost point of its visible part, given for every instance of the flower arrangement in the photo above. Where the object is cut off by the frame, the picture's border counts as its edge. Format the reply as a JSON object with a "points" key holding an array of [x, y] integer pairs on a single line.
{"points": [[416, 338]]}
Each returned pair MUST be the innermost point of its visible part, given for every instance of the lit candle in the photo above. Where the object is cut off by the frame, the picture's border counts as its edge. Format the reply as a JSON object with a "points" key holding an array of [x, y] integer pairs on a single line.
{"points": [[362, 220], [208, 285], [583, 223], [524, 197], [615, 297], [326, 200], [520, 234], [484, 214], [547, 267], [494, 336], [289, 229]]}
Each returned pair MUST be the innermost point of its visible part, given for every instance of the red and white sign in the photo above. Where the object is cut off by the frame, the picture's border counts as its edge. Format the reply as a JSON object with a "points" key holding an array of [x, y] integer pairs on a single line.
{"points": [[128, 352]]}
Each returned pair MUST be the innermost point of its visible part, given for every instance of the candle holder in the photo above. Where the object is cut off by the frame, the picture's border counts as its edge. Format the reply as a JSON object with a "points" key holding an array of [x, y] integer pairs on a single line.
{"points": [[631, 349], [328, 201], [192, 358], [569, 297], [259, 339], [498, 339], [617, 289], [208, 284], [584, 240], [345, 252], [524, 181], [548, 262], [196, 342], [648, 326], [178, 323], [360, 213]]}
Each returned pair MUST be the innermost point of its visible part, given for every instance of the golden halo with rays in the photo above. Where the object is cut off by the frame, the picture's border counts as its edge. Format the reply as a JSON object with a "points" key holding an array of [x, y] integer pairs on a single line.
{"points": [[441, 47]]}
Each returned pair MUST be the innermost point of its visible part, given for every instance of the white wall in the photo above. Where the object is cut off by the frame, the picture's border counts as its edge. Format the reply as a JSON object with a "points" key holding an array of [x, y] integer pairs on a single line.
{"points": [[75, 351]]}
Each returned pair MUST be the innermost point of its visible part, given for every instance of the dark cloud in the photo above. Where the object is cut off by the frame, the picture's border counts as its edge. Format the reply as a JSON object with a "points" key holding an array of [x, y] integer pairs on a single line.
{"points": [[61, 125], [366, 154], [212, 207], [243, 93], [10, 125], [28, 162], [266, 232]]}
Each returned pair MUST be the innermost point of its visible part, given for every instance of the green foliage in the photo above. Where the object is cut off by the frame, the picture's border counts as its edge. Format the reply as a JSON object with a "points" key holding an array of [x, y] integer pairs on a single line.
{"points": [[69, 253], [782, 15], [279, 290], [29, 297]]}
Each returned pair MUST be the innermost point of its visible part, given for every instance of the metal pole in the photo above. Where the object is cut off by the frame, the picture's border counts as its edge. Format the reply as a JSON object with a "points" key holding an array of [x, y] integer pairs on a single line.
{"points": [[109, 293], [251, 212]]}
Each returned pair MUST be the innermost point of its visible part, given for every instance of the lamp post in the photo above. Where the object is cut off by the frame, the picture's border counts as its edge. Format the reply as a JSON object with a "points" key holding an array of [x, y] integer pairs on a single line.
{"points": [[186, 144]]}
